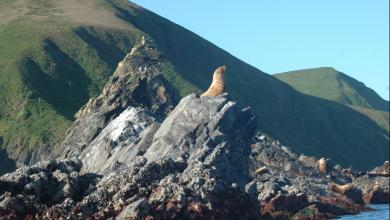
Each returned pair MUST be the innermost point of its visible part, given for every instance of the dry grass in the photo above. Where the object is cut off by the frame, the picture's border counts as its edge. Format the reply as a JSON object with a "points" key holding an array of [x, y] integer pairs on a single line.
{"points": [[74, 11], [11, 10], [90, 12]]}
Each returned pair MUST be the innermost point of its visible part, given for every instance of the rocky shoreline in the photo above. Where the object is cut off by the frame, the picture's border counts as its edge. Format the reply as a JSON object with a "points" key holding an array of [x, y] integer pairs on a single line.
{"points": [[132, 155]]}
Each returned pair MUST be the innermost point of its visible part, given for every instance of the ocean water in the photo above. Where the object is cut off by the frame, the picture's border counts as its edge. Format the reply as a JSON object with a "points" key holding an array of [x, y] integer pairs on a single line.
{"points": [[381, 213]]}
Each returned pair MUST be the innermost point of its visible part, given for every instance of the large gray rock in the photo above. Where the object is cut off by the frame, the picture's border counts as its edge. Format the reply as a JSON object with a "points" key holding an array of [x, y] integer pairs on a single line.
{"points": [[137, 82], [120, 141], [198, 158], [375, 184]]}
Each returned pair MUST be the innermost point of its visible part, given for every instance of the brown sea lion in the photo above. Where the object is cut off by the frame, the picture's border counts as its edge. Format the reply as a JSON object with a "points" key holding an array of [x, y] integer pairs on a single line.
{"points": [[260, 170], [322, 165], [217, 87], [341, 188]]}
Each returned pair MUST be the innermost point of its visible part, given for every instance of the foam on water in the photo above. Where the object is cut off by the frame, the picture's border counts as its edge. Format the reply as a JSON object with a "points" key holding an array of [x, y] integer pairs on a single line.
{"points": [[381, 213]]}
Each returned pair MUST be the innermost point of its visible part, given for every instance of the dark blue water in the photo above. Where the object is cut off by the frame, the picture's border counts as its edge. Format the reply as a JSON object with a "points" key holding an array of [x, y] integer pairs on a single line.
{"points": [[381, 213]]}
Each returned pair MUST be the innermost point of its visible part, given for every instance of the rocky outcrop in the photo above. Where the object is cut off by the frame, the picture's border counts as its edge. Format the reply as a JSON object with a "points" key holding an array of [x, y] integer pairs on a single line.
{"points": [[30, 189], [375, 185], [202, 161], [130, 155], [137, 82], [197, 164], [295, 183]]}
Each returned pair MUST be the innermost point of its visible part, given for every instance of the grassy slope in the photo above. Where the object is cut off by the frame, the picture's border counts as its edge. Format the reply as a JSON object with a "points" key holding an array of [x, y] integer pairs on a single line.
{"points": [[330, 84], [380, 117], [53, 60], [50, 67]]}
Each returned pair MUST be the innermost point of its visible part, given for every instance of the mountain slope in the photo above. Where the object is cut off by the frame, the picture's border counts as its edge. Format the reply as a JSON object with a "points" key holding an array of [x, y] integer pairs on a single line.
{"points": [[380, 117], [330, 84], [55, 57]]}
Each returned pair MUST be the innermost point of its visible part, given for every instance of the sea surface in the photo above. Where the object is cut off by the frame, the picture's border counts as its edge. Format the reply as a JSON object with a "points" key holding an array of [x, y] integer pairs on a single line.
{"points": [[381, 213]]}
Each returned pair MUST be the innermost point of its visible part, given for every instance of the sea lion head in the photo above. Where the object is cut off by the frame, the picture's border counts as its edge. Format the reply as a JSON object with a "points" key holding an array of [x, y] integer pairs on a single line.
{"points": [[221, 69]]}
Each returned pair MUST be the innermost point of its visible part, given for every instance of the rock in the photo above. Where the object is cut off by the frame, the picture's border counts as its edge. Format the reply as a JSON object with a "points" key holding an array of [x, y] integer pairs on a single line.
{"points": [[206, 165], [320, 211], [27, 189], [135, 210], [345, 205], [120, 141], [284, 206], [308, 161], [376, 196], [375, 185], [290, 174], [137, 82], [381, 171]]}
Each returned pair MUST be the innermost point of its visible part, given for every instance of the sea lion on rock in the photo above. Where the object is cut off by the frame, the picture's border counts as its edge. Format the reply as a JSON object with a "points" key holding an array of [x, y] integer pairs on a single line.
{"points": [[341, 188], [322, 165], [260, 170], [217, 87]]}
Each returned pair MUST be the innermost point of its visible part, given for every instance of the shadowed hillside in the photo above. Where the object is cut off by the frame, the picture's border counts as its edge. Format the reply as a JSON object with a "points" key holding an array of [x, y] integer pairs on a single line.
{"points": [[330, 84], [55, 57]]}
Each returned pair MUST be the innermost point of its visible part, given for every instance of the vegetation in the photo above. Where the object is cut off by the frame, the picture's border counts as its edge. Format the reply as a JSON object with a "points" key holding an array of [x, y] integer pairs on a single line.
{"points": [[330, 84], [380, 117], [54, 58], [49, 69]]}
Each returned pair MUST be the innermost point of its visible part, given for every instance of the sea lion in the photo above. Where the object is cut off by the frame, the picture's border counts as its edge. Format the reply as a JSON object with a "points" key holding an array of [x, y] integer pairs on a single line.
{"points": [[217, 87], [133, 50], [341, 188], [322, 165], [260, 170]]}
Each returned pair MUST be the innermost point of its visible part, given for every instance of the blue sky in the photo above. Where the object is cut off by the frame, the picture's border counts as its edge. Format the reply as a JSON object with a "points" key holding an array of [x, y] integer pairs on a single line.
{"points": [[281, 35]]}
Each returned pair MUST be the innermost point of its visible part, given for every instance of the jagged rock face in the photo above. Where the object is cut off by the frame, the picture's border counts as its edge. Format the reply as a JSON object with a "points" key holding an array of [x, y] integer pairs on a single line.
{"points": [[294, 184], [201, 172], [27, 189], [375, 185], [120, 141], [130, 156], [197, 158], [137, 82]]}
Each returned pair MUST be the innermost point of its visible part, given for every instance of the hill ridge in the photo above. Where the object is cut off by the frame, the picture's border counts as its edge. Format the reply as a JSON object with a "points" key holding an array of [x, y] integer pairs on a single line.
{"points": [[315, 80]]}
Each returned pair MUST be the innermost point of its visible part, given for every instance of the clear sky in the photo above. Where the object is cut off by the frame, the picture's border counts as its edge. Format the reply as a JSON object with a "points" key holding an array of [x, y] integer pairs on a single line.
{"points": [[282, 35]]}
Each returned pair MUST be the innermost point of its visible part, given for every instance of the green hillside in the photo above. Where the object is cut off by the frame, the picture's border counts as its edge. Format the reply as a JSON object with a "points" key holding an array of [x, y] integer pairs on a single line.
{"points": [[53, 59], [330, 84], [380, 117], [55, 55]]}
